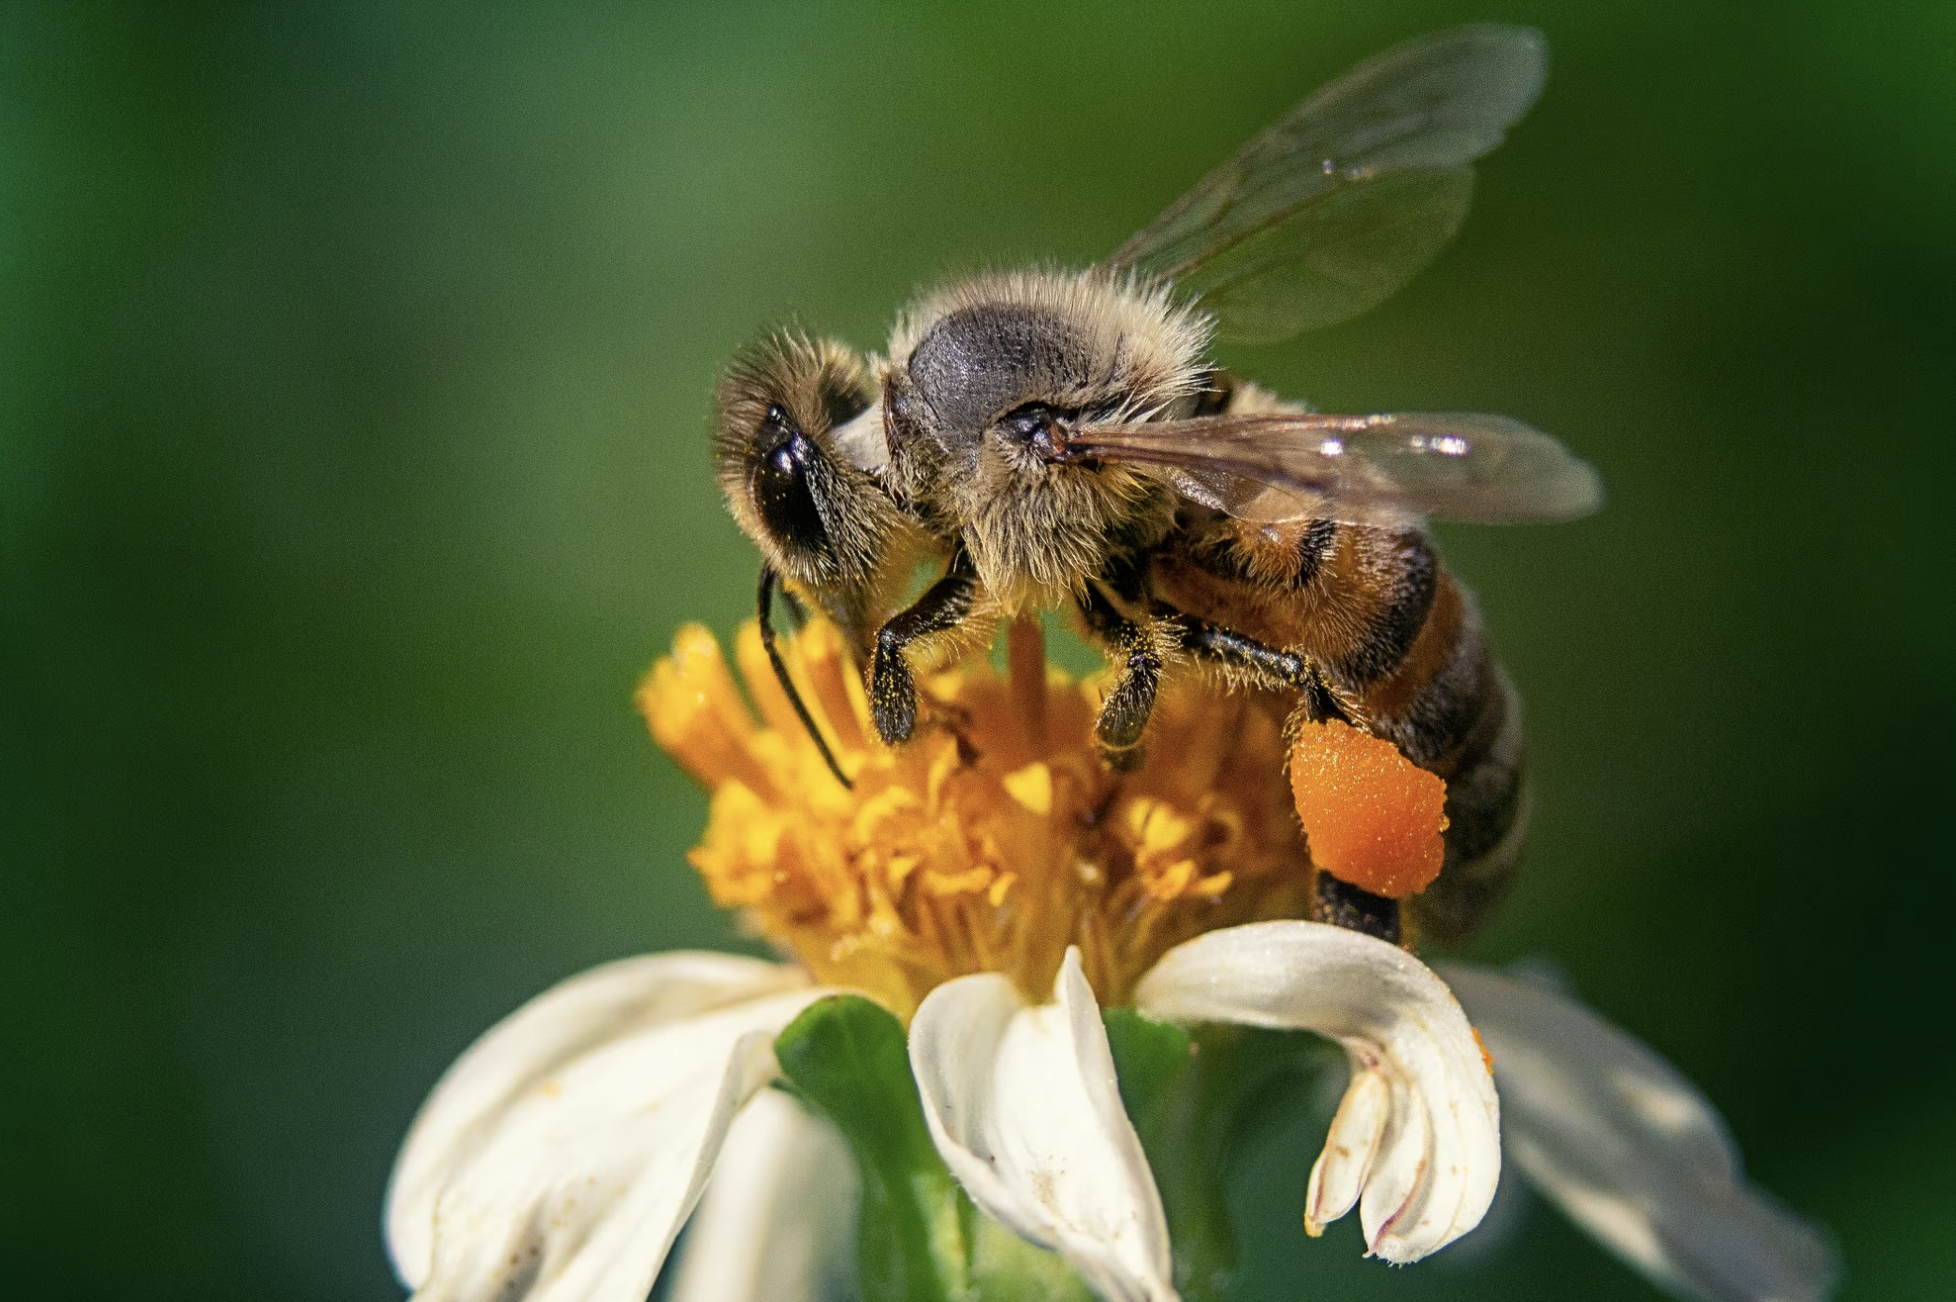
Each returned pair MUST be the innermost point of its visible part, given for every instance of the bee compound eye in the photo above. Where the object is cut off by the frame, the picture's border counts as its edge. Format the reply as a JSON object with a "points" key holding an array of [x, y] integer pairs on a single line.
{"points": [[785, 498]]}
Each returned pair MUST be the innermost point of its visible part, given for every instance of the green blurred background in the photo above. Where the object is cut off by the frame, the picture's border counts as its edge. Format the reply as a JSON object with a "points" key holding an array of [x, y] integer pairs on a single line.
{"points": [[356, 369]]}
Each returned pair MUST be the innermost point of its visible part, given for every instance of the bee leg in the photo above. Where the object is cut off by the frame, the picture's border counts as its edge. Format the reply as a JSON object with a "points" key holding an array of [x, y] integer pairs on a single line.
{"points": [[1337, 902], [892, 690], [1344, 905], [1124, 714], [1268, 664]]}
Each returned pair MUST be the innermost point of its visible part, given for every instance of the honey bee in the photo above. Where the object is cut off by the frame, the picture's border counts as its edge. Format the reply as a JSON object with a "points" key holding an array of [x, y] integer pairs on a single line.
{"points": [[1057, 440]]}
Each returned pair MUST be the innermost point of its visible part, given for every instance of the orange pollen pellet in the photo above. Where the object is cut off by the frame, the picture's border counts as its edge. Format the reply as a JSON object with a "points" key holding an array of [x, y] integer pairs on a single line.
{"points": [[1373, 817]]}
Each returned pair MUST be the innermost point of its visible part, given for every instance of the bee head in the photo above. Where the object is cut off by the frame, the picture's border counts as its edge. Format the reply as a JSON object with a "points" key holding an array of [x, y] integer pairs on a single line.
{"points": [[805, 496]]}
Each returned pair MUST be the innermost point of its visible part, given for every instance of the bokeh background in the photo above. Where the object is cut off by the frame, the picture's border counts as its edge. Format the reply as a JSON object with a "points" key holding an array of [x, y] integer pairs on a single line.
{"points": [[352, 468]]}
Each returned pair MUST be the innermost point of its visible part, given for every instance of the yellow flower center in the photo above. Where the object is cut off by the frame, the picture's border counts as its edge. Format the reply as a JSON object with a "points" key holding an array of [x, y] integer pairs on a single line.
{"points": [[993, 839]]}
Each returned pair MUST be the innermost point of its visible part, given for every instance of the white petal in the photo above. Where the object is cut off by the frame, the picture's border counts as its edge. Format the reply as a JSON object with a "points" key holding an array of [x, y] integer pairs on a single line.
{"points": [[778, 1220], [1024, 1107], [1338, 1176], [559, 1155], [1439, 1156], [1633, 1153]]}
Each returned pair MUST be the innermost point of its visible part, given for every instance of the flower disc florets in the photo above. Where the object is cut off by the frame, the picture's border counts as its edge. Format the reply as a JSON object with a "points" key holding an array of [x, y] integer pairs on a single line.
{"points": [[996, 837]]}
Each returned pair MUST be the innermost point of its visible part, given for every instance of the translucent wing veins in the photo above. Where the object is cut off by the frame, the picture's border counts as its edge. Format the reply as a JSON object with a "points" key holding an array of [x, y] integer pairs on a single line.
{"points": [[1363, 469], [1343, 199]]}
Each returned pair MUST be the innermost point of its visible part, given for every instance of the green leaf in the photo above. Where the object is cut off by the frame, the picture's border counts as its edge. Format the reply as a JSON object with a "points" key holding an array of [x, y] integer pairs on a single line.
{"points": [[846, 1055], [1005, 1268]]}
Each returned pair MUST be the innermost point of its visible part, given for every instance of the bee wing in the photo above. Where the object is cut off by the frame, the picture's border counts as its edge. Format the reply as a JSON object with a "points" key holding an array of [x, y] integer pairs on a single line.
{"points": [[1343, 199], [1385, 469]]}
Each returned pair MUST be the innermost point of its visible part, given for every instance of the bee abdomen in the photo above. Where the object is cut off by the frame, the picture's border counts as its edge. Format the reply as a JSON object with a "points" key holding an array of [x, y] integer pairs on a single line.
{"points": [[1487, 826], [1406, 577], [1451, 710], [1400, 642]]}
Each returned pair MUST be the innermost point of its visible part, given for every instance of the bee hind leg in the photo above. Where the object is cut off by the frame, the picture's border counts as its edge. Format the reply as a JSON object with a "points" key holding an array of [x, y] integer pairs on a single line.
{"points": [[1337, 902], [1267, 666], [1344, 905], [892, 689]]}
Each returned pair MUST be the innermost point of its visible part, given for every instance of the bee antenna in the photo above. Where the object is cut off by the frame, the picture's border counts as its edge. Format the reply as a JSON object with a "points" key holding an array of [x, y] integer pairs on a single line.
{"points": [[764, 600]]}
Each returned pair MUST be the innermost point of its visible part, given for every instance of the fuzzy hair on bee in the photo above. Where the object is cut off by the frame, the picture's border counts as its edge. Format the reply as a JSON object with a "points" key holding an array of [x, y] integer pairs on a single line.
{"points": [[984, 375]]}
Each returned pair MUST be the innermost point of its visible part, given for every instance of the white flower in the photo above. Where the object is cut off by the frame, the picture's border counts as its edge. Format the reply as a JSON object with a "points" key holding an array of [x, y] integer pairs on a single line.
{"points": [[778, 1218], [561, 1155], [954, 881], [1416, 1142], [1617, 1138]]}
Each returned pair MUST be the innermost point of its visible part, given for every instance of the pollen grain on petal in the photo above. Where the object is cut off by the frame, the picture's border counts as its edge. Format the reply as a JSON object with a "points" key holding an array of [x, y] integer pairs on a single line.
{"points": [[992, 840]]}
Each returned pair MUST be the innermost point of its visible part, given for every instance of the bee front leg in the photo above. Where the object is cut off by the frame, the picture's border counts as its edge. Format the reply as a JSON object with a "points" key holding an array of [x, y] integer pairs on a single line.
{"points": [[1124, 714], [892, 690]]}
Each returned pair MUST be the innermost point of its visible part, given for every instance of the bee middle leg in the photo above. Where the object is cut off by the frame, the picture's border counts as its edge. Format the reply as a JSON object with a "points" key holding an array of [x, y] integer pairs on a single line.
{"points": [[1124, 714], [892, 689]]}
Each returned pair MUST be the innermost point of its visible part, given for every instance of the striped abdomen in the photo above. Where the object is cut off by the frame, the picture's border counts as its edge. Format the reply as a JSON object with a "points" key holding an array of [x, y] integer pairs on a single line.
{"points": [[1398, 645]]}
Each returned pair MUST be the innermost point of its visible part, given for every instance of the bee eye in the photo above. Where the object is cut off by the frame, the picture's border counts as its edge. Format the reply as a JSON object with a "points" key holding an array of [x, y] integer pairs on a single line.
{"points": [[782, 493]]}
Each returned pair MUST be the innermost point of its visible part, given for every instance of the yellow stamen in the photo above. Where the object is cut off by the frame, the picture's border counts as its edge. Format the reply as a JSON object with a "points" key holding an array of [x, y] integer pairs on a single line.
{"points": [[993, 839], [1031, 786]]}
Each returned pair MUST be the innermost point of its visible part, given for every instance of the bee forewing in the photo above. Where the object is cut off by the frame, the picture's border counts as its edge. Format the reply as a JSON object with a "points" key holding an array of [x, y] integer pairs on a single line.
{"points": [[1347, 196], [1381, 469]]}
